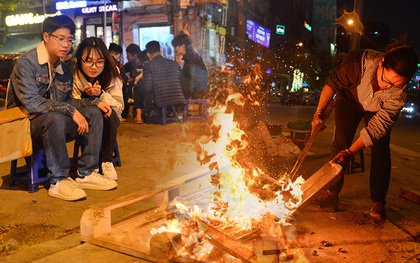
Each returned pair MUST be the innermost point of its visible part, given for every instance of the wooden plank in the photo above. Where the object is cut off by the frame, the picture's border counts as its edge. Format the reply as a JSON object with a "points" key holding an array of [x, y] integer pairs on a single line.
{"points": [[319, 181], [410, 195], [326, 176], [227, 244], [96, 221]]}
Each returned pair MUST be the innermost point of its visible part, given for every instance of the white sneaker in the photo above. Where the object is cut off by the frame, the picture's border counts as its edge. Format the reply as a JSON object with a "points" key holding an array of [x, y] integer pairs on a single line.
{"points": [[95, 181], [109, 171], [66, 190]]}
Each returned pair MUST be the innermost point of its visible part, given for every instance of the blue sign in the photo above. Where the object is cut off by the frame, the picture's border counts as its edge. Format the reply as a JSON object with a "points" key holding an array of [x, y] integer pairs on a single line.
{"points": [[258, 33]]}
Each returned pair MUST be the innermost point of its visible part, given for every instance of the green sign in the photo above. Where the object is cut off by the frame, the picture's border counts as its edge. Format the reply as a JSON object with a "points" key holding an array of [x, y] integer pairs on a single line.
{"points": [[280, 30]]}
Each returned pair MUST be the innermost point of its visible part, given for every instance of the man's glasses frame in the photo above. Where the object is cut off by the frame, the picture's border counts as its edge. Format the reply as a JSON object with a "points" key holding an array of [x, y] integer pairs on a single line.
{"points": [[61, 40], [389, 82]]}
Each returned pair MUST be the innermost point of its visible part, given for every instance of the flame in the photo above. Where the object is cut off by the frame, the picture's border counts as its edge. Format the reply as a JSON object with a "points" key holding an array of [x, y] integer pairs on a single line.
{"points": [[243, 192]]}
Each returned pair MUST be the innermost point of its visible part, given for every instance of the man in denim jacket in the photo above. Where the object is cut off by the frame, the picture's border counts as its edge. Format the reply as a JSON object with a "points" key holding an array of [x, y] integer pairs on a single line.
{"points": [[42, 83]]}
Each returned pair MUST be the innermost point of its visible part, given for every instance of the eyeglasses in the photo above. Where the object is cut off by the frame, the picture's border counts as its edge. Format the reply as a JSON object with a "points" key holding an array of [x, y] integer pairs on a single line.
{"points": [[90, 63], [389, 82], [61, 40]]}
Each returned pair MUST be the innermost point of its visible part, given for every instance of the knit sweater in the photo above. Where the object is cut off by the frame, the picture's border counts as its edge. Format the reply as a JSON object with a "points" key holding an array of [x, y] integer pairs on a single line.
{"points": [[161, 78], [112, 95]]}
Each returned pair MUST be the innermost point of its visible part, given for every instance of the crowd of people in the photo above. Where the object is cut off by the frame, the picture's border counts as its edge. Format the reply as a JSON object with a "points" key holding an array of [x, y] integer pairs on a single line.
{"points": [[85, 95]]}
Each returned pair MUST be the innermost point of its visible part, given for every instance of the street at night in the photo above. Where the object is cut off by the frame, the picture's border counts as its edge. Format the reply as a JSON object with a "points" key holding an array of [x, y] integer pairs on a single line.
{"points": [[216, 131]]}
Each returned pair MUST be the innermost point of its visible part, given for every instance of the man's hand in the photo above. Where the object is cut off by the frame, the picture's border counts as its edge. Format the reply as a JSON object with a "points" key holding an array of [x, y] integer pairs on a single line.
{"points": [[93, 90], [105, 108], [80, 120], [343, 157], [136, 80]]}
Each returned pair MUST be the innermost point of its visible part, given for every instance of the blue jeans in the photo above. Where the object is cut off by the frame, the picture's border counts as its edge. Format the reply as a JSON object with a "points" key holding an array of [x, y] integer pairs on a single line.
{"points": [[347, 119], [51, 132]]}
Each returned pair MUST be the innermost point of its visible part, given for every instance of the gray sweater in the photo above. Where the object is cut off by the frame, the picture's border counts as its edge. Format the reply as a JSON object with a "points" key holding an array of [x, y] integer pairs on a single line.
{"points": [[161, 78]]}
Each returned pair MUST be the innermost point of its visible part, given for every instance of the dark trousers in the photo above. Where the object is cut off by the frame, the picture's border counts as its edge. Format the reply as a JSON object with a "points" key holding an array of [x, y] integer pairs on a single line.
{"points": [[109, 136], [51, 131], [347, 119], [127, 94]]}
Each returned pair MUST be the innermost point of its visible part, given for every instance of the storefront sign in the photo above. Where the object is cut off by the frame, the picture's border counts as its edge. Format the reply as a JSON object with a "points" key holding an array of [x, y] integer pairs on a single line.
{"points": [[99, 9], [26, 19], [258, 33], [70, 5]]}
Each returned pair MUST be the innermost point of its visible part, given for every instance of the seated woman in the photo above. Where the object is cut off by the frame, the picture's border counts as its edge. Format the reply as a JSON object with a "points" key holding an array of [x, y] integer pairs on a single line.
{"points": [[96, 76]]}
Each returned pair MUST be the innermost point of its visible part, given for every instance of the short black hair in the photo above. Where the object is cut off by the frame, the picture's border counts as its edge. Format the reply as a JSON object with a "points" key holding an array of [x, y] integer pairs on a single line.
{"points": [[143, 56], [181, 39], [53, 23], [133, 49], [115, 48], [153, 47]]}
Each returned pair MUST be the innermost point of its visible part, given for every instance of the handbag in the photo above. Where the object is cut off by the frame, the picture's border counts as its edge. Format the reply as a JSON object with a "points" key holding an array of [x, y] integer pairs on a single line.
{"points": [[15, 133]]}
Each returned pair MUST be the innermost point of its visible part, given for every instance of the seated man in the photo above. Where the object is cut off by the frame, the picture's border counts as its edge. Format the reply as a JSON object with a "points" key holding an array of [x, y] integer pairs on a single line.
{"points": [[42, 83], [161, 81]]}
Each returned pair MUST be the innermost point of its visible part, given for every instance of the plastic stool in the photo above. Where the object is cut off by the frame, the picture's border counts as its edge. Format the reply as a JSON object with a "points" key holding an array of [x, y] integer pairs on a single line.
{"points": [[357, 165], [166, 118], [201, 116], [116, 159], [32, 176]]}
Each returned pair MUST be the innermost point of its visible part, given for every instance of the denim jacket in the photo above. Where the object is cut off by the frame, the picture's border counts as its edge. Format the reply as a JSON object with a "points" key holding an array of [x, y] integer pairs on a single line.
{"points": [[39, 89]]}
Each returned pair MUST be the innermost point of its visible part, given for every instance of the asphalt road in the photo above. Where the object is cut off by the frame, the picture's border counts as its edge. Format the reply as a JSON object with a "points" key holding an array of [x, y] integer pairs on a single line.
{"points": [[404, 136]]}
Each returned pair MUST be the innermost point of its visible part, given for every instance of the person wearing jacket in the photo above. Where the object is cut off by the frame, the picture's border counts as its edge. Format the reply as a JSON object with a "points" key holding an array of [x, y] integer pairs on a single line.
{"points": [[96, 77], [42, 83], [372, 86], [194, 73], [161, 82]]}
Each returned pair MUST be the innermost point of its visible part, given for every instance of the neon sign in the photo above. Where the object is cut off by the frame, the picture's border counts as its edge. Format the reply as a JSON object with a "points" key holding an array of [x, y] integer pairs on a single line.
{"points": [[99, 9], [27, 19], [70, 5]]}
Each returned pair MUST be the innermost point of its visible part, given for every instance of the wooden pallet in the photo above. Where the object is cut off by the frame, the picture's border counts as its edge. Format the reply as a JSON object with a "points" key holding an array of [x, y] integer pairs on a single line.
{"points": [[133, 235]]}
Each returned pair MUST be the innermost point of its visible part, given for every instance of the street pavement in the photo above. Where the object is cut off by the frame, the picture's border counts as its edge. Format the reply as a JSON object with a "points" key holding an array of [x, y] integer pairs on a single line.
{"points": [[154, 154]]}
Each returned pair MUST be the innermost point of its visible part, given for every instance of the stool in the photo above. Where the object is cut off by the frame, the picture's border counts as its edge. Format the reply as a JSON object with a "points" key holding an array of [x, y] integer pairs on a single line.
{"points": [[202, 115], [116, 159], [166, 118], [34, 166], [357, 165], [300, 138]]}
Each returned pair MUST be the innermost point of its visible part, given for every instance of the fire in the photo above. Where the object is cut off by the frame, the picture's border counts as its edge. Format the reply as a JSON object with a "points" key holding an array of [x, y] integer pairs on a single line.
{"points": [[243, 193]]}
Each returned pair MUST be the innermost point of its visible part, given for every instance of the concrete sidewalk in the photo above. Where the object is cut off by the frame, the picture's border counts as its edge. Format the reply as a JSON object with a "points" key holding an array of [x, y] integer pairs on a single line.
{"points": [[153, 154]]}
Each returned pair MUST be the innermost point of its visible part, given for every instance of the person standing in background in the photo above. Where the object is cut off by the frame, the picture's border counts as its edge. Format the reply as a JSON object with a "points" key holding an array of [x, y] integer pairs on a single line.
{"points": [[194, 73], [96, 77]]}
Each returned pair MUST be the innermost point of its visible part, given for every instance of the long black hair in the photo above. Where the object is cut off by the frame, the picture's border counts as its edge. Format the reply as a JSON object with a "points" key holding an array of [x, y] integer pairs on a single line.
{"points": [[110, 70]]}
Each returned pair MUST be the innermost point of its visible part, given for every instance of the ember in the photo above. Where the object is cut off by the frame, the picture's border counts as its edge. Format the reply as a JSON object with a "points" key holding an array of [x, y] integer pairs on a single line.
{"points": [[244, 194]]}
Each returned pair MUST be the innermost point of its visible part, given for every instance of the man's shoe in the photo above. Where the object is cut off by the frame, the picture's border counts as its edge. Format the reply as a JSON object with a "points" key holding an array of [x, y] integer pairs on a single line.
{"points": [[66, 190], [136, 121], [95, 181], [109, 171], [378, 212], [327, 199]]}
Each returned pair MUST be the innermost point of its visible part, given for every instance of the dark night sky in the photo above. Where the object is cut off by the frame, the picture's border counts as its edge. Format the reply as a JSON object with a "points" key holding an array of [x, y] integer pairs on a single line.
{"points": [[401, 16]]}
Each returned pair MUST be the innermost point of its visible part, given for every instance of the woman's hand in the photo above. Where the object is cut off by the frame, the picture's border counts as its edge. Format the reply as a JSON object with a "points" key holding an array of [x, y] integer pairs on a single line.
{"points": [[80, 120], [343, 157], [105, 108], [93, 90]]}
